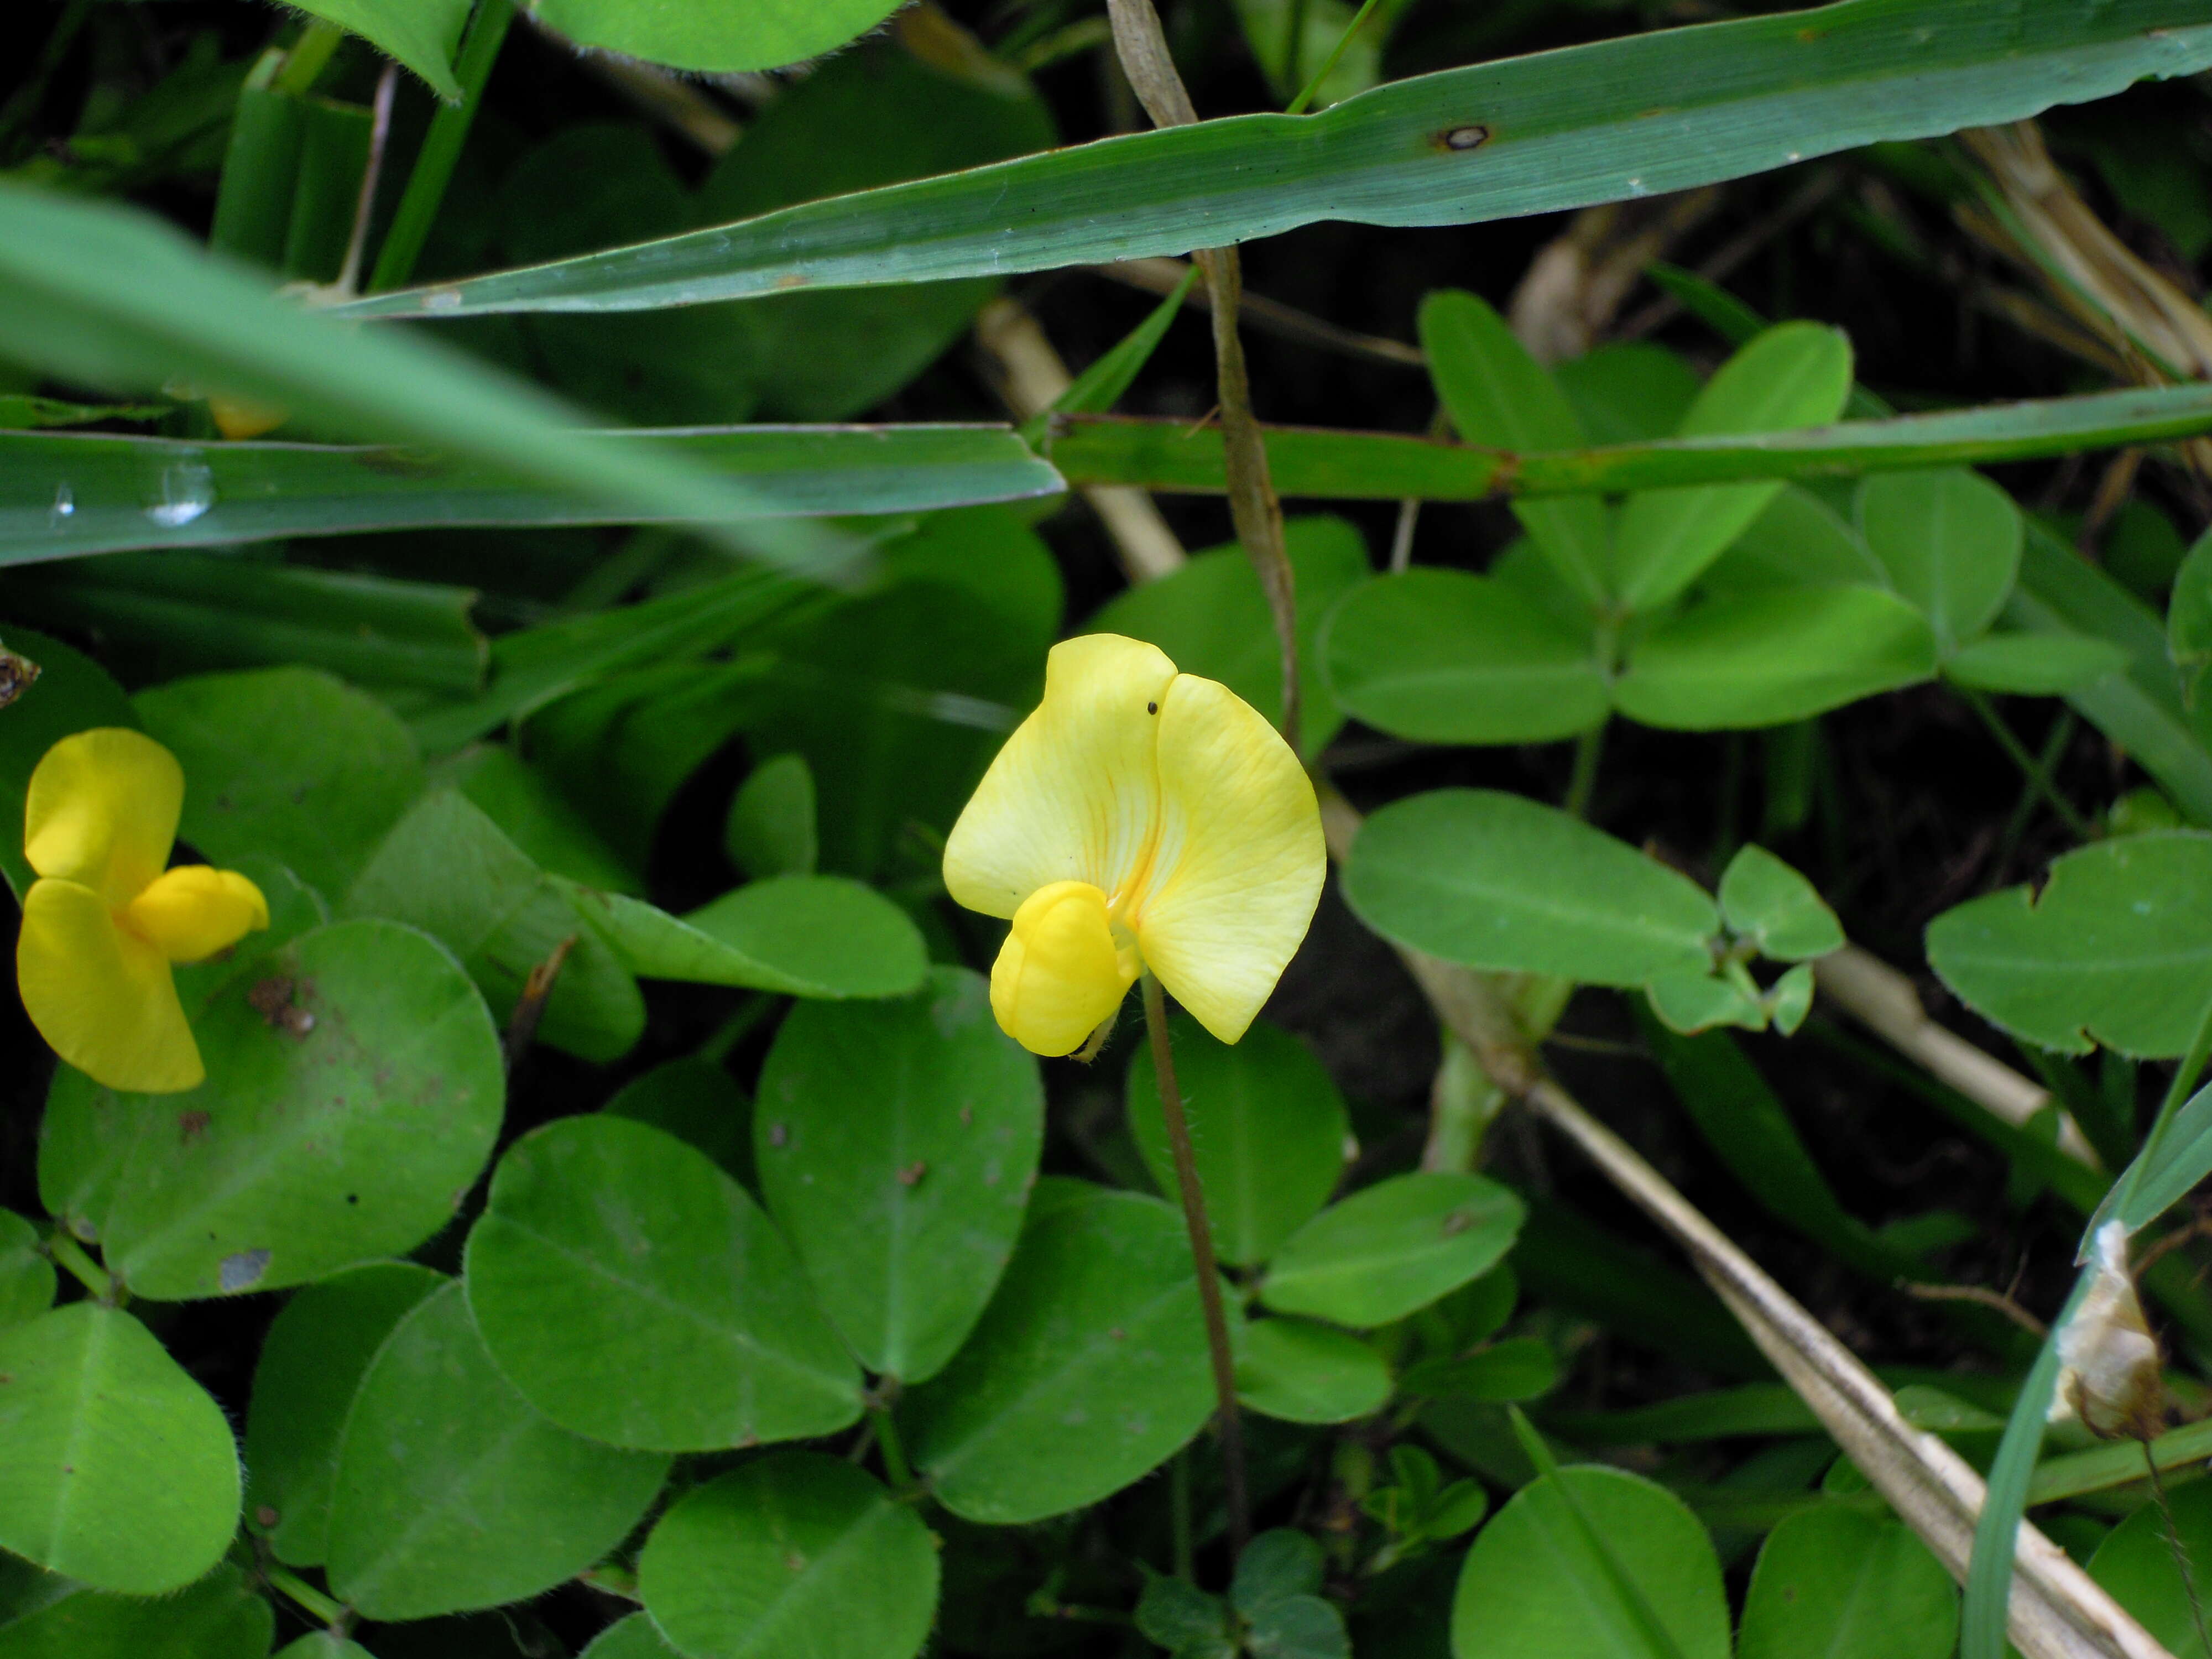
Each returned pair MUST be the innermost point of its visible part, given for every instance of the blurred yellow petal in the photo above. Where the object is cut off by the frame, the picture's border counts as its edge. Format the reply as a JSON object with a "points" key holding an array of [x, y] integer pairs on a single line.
{"points": [[193, 911], [1060, 974], [1074, 795], [1237, 868], [101, 997], [101, 811], [240, 417]]}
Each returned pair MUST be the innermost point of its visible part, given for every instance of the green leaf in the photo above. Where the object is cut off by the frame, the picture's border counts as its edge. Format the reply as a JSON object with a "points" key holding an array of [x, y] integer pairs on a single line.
{"points": [[1767, 902], [924, 100], [106, 296], [2112, 950], [1629, 391], [72, 693], [1392, 1248], [762, 35], [1542, 133], [420, 34], [797, 1552], [533, 815], [1303, 1372], [2036, 665], [272, 489], [1175, 1614], [1765, 659], [1102, 385], [1440, 656], [453, 1493], [1266, 1124], [2189, 613], [2136, 1564], [321, 1644], [179, 613], [345, 1127], [633, 1638], [1798, 542], [804, 936], [633, 1292], [1951, 542], [700, 1104], [288, 762], [26, 1276], [1498, 881], [1087, 1371], [896, 1143], [1500, 397], [1212, 619], [1532, 1587], [1687, 1002], [1755, 1408], [116, 1468], [219, 1617], [1795, 374], [2059, 592], [1518, 1368], [1298, 1627], [1847, 1585], [312, 1363], [1279, 1563], [448, 870], [770, 830]]}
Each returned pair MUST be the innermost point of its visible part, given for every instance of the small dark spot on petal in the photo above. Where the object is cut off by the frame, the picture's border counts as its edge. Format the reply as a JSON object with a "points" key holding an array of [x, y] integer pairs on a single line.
{"points": [[1151, 708]]}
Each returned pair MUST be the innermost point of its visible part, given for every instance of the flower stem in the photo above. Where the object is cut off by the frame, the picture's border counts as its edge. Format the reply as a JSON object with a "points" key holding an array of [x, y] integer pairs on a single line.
{"points": [[894, 1450], [333, 1614], [1230, 1425]]}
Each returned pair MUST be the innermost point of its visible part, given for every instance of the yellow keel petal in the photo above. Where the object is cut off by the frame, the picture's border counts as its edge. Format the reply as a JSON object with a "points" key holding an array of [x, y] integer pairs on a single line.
{"points": [[1074, 794], [1239, 866], [1059, 975], [101, 997], [101, 811], [193, 911]]}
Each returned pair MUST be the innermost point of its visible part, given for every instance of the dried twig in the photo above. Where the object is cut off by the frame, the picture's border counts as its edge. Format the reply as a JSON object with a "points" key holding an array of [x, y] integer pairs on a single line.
{"points": [[1981, 1293], [1272, 316], [1142, 47], [1883, 1000]]}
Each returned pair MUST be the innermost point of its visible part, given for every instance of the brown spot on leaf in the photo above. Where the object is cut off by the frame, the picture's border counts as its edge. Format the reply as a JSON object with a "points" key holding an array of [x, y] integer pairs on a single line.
{"points": [[190, 1126], [778, 1133], [913, 1172], [1461, 139], [266, 1515]]}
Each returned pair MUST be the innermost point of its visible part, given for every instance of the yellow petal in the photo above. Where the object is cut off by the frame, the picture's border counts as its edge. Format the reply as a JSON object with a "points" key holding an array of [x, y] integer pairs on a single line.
{"points": [[193, 911], [240, 417], [100, 996], [1237, 869], [1074, 795], [102, 810], [1060, 974]]}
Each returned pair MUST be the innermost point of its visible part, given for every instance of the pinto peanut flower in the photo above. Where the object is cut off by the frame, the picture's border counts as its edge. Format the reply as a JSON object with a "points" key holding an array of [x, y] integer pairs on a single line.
{"points": [[104, 920], [1139, 818]]}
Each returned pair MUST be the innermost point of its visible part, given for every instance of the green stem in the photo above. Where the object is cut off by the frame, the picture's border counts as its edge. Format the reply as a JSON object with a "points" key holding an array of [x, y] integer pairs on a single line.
{"points": [[310, 54], [441, 148], [734, 1029], [2185, 1074], [2054, 750], [894, 1449], [2031, 768], [1297, 105], [70, 1254], [334, 1615], [1229, 1423], [1589, 748]]}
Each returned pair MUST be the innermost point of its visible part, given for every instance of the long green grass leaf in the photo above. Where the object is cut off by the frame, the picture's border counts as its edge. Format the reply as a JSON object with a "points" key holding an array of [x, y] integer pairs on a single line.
{"points": [[1623, 117], [65, 494]]}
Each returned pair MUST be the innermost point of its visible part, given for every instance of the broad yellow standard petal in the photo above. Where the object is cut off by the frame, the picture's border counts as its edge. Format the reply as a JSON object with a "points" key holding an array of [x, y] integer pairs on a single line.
{"points": [[1074, 795], [101, 811], [102, 997], [1237, 867], [192, 912], [1060, 974]]}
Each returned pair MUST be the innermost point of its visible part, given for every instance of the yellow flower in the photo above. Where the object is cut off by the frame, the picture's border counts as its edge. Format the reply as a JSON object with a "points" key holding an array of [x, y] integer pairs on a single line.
{"points": [[104, 922], [1140, 817]]}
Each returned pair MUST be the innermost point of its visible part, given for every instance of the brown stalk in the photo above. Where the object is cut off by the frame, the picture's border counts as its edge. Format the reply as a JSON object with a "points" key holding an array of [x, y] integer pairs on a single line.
{"points": [[1142, 46]]}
